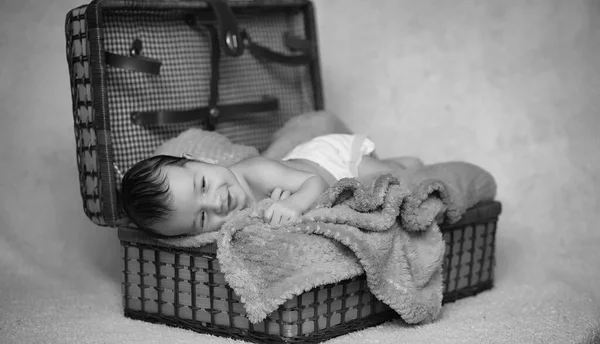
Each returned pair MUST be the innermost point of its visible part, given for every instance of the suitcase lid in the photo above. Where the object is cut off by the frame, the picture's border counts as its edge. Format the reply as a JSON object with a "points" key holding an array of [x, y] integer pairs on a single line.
{"points": [[107, 145]]}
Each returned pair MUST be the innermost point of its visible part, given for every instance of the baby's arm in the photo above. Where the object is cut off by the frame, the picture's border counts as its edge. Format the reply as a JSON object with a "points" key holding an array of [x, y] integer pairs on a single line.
{"points": [[268, 175], [291, 208]]}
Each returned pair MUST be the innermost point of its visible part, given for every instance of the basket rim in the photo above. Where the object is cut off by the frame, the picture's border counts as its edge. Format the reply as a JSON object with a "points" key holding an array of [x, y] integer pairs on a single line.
{"points": [[484, 212]]}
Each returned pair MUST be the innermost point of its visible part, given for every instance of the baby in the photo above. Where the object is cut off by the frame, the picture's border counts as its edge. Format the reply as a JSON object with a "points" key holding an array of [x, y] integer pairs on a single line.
{"points": [[173, 196]]}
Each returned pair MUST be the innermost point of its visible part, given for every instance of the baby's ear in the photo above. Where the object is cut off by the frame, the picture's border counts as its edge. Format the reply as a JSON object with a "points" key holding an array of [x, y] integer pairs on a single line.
{"points": [[198, 158]]}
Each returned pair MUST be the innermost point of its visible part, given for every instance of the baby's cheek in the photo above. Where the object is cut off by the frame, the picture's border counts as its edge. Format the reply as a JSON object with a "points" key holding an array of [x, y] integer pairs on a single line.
{"points": [[217, 223]]}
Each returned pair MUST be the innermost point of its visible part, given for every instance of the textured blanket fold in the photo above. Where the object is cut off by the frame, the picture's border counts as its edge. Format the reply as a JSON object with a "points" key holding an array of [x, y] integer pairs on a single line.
{"points": [[388, 230], [459, 185], [403, 268]]}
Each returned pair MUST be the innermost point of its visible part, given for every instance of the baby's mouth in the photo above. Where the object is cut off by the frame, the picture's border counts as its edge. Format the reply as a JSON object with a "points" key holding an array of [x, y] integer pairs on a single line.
{"points": [[232, 202]]}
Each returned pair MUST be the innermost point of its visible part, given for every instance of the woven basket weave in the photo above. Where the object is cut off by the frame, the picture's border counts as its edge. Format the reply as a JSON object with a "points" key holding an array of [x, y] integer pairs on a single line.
{"points": [[186, 288]]}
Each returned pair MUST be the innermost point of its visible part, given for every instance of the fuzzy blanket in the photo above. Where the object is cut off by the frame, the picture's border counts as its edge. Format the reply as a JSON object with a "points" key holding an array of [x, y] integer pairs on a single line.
{"points": [[388, 230], [459, 185]]}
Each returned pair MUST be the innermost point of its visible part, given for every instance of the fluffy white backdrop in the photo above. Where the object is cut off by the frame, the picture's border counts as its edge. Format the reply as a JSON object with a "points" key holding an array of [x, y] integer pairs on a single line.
{"points": [[512, 86]]}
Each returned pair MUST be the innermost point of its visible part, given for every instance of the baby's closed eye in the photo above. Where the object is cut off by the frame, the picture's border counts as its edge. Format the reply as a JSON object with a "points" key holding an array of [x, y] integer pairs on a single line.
{"points": [[200, 184], [199, 221]]}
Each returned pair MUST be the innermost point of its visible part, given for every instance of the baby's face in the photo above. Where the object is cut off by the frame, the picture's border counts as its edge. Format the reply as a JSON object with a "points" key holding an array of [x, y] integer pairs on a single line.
{"points": [[204, 196]]}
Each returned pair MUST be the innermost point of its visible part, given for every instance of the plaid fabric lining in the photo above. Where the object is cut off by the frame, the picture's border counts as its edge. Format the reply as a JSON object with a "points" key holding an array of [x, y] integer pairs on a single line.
{"points": [[185, 76], [245, 79], [183, 83]]}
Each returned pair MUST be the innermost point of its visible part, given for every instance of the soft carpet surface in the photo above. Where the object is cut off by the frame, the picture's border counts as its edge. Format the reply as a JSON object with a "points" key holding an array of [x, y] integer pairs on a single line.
{"points": [[85, 307]]}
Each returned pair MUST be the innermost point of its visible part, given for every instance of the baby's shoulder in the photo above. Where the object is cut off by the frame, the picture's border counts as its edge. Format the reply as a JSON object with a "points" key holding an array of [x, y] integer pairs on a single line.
{"points": [[254, 165], [253, 161], [260, 173]]}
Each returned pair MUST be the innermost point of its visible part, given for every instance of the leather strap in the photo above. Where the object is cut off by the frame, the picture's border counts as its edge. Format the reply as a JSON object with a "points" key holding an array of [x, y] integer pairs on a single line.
{"points": [[145, 118], [215, 59], [295, 43], [263, 53], [134, 63], [229, 31]]}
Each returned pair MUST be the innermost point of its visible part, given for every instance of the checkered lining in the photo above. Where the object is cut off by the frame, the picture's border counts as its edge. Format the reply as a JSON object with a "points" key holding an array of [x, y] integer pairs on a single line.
{"points": [[184, 79]]}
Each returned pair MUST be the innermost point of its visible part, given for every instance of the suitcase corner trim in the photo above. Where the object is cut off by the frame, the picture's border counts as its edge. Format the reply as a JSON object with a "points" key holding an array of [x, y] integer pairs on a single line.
{"points": [[97, 179]]}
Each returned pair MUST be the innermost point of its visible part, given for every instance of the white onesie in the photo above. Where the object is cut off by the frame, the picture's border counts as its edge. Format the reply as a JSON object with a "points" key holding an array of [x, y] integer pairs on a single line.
{"points": [[339, 154]]}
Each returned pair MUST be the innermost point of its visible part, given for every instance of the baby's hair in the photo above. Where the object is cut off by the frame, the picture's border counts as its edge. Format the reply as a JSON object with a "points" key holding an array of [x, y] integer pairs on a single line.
{"points": [[145, 191]]}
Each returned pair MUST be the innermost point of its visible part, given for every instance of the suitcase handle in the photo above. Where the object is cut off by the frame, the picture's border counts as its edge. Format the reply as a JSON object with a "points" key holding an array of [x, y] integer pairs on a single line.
{"points": [[229, 31], [146, 118]]}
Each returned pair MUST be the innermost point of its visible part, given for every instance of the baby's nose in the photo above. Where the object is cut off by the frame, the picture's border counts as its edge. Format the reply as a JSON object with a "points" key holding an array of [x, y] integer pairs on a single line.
{"points": [[215, 205]]}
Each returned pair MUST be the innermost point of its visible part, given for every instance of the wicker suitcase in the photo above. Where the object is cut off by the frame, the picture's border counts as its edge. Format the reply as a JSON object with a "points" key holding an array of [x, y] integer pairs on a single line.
{"points": [[144, 71]]}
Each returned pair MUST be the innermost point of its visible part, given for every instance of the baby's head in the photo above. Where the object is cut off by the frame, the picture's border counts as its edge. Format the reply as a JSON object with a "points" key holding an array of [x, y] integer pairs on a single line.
{"points": [[173, 196]]}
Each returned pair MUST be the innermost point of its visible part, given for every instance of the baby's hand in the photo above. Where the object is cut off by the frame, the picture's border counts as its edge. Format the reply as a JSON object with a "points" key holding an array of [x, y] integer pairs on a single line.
{"points": [[279, 195], [281, 213]]}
